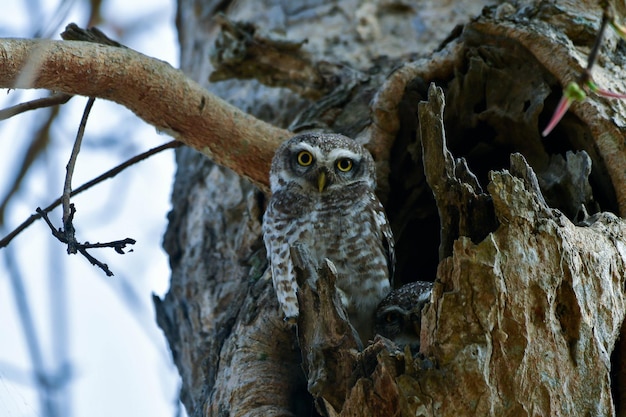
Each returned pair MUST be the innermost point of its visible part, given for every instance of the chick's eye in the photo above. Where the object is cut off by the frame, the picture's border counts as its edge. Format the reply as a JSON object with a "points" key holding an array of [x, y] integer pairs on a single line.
{"points": [[391, 318], [344, 165], [305, 158]]}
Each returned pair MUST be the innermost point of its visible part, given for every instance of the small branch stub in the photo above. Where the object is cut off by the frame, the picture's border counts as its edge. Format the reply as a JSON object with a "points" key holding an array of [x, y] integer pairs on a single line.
{"points": [[343, 378], [328, 342], [464, 209]]}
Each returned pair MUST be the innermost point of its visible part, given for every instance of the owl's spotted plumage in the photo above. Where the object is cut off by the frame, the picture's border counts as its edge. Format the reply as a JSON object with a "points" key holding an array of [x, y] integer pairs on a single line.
{"points": [[323, 199], [399, 315]]}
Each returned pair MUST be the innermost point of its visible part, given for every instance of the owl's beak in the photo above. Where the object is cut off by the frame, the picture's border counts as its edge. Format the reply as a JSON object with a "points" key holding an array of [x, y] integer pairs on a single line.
{"points": [[321, 181]]}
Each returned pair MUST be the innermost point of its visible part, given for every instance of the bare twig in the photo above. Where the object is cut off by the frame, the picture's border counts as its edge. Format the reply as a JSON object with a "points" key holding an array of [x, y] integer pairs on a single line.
{"points": [[68, 214], [96, 262], [584, 84], [593, 55], [117, 245], [109, 174], [585, 76], [55, 232], [40, 141], [121, 167], [51, 100]]}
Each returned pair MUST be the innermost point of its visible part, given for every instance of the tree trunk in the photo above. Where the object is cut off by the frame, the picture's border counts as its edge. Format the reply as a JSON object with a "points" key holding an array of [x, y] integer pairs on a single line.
{"points": [[518, 236]]}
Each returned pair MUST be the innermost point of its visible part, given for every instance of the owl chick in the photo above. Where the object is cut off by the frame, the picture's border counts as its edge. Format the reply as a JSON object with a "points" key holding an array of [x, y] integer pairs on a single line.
{"points": [[323, 199], [399, 315]]}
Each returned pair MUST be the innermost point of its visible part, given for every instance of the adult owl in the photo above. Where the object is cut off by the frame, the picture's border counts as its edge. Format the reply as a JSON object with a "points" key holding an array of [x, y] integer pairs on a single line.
{"points": [[399, 315], [323, 199]]}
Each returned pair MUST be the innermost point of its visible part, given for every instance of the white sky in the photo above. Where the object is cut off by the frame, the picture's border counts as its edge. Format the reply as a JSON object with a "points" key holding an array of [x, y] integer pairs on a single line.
{"points": [[103, 328]]}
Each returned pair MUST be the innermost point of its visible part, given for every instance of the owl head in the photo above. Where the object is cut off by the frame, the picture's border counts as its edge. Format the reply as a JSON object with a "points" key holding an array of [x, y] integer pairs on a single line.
{"points": [[321, 163], [399, 314]]}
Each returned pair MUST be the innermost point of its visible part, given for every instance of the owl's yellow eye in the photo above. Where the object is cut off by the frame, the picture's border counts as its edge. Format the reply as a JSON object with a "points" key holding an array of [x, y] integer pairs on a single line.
{"points": [[344, 165], [305, 158]]}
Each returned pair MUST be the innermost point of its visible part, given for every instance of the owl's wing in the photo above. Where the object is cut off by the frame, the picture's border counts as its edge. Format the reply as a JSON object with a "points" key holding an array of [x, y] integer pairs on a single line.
{"points": [[387, 236], [284, 280], [281, 265]]}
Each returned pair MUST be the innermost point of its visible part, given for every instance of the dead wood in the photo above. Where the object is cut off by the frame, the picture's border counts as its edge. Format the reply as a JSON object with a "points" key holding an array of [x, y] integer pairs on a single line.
{"points": [[529, 293], [512, 320], [464, 209], [343, 378], [529, 274], [501, 305]]}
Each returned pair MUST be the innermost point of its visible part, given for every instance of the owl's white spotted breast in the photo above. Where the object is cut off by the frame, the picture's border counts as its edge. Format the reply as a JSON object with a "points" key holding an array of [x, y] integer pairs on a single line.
{"points": [[343, 229]]}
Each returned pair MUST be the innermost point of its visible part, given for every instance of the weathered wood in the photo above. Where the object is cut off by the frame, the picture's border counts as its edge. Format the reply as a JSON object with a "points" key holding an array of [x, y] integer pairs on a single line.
{"points": [[530, 304], [329, 343], [343, 378], [529, 292], [464, 209]]}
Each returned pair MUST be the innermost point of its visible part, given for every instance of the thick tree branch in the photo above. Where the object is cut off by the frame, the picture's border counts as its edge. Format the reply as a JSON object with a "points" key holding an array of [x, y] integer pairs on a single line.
{"points": [[152, 89]]}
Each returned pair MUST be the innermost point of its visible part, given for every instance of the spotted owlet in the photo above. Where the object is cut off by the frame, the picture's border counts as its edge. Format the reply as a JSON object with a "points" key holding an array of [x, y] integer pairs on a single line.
{"points": [[399, 315], [323, 199]]}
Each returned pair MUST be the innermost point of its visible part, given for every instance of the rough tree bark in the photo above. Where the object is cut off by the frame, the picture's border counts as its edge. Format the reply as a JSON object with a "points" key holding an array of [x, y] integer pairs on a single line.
{"points": [[521, 235], [528, 301]]}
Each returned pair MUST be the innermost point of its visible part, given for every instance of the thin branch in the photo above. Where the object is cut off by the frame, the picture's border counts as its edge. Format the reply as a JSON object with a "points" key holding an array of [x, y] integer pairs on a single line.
{"points": [[117, 245], [585, 75], [121, 167], [38, 144], [584, 84], [96, 262], [52, 100], [55, 232], [31, 219], [156, 92], [68, 214], [593, 55], [109, 174]]}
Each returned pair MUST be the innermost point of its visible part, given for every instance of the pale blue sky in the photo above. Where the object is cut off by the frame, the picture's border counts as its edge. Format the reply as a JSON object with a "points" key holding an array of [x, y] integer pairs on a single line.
{"points": [[104, 328]]}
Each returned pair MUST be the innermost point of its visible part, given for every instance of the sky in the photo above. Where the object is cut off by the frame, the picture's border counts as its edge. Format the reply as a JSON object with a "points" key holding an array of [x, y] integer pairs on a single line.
{"points": [[96, 335]]}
